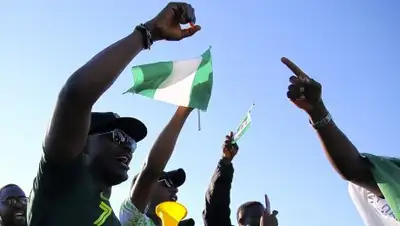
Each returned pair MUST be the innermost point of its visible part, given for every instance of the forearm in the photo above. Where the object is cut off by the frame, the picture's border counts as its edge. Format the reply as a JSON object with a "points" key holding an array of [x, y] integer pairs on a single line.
{"points": [[90, 81], [69, 126], [157, 160], [341, 152], [217, 210], [162, 149]]}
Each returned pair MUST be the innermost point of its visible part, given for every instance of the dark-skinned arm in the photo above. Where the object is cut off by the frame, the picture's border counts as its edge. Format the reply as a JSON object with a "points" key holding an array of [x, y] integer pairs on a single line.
{"points": [[158, 158], [66, 136], [342, 154]]}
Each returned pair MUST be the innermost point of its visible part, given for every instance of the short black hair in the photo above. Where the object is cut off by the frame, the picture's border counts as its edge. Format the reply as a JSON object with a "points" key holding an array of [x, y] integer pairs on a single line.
{"points": [[247, 205]]}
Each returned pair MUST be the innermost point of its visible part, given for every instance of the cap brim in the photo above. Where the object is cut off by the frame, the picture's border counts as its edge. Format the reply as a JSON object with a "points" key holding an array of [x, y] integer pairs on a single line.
{"points": [[131, 126], [178, 177]]}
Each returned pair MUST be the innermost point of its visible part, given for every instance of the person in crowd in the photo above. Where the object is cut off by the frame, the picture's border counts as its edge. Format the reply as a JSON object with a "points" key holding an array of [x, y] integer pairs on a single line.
{"points": [[255, 213], [152, 185], [85, 153], [374, 180], [217, 211], [13, 202]]}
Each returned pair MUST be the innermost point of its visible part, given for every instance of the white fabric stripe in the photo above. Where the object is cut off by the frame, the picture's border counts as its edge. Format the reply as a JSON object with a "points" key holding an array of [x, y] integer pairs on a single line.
{"points": [[369, 215], [177, 87]]}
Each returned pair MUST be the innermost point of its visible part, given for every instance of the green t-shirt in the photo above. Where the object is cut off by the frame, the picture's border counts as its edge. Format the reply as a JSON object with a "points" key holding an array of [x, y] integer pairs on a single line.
{"points": [[67, 195], [386, 172]]}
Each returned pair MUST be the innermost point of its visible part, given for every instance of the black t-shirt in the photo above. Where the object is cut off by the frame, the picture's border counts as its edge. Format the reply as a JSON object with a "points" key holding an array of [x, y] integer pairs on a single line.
{"points": [[67, 195]]}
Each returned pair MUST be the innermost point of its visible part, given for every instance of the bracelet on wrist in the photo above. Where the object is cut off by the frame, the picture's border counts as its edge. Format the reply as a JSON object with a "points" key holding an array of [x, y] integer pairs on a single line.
{"points": [[147, 38], [324, 121]]}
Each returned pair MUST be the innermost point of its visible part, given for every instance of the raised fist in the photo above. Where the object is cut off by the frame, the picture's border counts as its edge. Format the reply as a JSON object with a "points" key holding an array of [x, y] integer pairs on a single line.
{"points": [[229, 148], [167, 24]]}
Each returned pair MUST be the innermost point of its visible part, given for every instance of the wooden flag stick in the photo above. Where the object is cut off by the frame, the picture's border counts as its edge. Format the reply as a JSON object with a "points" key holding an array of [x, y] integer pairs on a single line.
{"points": [[198, 119]]}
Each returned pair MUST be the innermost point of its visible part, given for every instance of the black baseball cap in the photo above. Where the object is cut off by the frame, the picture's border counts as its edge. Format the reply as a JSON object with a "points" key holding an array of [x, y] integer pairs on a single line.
{"points": [[187, 222], [102, 122], [177, 177]]}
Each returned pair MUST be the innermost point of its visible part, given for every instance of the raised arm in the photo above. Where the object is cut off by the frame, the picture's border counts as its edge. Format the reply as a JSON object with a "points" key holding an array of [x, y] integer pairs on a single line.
{"points": [[305, 93], [69, 126], [158, 158], [218, 195], [68, 129]]}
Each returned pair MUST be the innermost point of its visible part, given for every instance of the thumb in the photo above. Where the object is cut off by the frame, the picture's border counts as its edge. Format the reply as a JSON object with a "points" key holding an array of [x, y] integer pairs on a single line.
{"points": [[274, 213], [190, 31]]}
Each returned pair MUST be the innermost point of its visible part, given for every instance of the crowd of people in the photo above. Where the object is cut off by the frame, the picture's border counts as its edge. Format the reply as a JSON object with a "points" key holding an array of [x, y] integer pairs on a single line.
{"points": [[86, 153]]}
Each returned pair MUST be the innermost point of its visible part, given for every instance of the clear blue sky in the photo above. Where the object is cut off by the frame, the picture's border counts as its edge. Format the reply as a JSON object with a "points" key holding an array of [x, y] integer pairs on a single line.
{"points": [[351, 47]]}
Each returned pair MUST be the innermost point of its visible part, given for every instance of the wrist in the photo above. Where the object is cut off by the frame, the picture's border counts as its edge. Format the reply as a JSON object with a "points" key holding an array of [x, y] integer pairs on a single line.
{"points": [[318, 112], [183, 111], [226, 160], [150, 25], [147, 39]]}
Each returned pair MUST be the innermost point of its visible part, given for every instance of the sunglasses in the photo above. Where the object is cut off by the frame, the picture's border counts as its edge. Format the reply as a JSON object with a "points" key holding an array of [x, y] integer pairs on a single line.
{"points": [[166, 182], [11, 201], [121, 139]]}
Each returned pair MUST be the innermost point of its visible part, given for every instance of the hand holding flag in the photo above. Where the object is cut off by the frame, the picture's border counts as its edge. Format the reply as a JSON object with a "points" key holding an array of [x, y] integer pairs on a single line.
{"points": [[229, 148]]}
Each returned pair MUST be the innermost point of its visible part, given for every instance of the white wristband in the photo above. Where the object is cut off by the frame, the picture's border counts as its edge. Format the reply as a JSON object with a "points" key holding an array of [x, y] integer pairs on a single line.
{"points": [[326, 120]]}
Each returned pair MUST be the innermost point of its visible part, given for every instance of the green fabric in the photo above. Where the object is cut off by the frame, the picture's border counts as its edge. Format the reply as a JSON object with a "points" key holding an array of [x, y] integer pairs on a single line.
{"points": [[243, 127], [156, 81], [129, 215], [67, 195], [148, 77], [202, 84], [386, 172]]}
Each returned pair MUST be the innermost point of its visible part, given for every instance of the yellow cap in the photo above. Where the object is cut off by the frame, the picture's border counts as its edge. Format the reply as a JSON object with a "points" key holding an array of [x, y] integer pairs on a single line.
{"points": [[171, 213]]}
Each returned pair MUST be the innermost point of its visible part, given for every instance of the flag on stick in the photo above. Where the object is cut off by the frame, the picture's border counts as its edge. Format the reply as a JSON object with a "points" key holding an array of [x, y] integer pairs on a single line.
{"points": [[184, 83], [243, 126]]}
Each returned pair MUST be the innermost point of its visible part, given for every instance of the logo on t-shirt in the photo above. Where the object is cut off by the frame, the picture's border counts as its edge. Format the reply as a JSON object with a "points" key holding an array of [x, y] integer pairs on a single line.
{"points": [[106, 211], [379, 204]]}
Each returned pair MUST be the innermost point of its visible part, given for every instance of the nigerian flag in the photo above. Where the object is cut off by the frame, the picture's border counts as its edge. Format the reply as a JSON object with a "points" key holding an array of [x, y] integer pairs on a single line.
{"points": [[244, 125], [183, 83]]}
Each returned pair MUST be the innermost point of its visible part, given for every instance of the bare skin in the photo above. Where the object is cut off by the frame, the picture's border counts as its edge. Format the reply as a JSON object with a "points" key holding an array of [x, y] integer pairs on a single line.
{"points": [[305, 93], [67, 133], [158, 158], [166, 25]]}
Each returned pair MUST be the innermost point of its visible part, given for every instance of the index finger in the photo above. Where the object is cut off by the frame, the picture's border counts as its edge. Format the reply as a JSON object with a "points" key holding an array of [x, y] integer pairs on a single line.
{"points": [[294, 68], [267, 204]]}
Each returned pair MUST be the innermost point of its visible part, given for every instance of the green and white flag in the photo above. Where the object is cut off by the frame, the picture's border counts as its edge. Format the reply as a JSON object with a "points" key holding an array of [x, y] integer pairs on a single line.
{"points": [[183, 83], [243, 126]]}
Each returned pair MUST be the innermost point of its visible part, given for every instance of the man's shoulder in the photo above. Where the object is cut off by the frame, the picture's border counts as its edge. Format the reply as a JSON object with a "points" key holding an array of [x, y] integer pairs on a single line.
{"points": [[54, 180], [63, 170], [82, 204]]}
